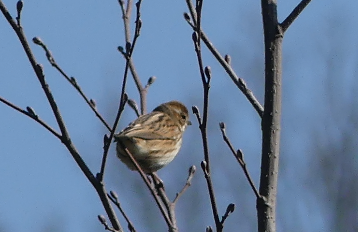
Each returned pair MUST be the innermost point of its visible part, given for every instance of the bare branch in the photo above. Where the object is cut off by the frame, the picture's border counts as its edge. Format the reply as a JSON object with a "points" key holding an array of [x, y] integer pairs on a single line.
{"points": [[271, 120], [126, 15], [31, 114], [226, 65], [205, 74], [240, 158], [293, 15], [71, 80], [192, 170], [113, 196], [103, 220], [229, 210]]}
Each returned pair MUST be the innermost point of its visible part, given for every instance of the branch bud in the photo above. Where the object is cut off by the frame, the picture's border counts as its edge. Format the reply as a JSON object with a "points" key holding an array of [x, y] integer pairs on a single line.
{"points": [[228, 59], [19, 6], [195, 110], [93, 103], [194, 36], [102, 219], [208, 73], [114, 195], [240, 155], [222, 125], [37, 40], [151, 80], [187, 17]]}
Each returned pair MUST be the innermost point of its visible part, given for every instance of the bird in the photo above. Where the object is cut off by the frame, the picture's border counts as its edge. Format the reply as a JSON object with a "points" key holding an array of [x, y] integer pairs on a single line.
{"points": [[153, 139]]}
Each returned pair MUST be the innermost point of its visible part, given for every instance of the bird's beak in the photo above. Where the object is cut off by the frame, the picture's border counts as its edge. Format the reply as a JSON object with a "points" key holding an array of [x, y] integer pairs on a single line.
{"points": [[189, 123]]}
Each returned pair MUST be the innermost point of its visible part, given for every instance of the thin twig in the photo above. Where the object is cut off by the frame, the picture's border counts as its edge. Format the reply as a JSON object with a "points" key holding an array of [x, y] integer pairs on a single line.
{"points": [[134, 106], [103, 220], [114, 198], [19, 6], [229, 210], [33, 116], [126, 14], [71, 80], [192, 170], [205, 77], [240, 158], [293, 15], [239, 82]]}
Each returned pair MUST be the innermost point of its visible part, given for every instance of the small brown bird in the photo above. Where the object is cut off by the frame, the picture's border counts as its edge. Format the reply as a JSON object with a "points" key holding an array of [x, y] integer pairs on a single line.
{"points": [[154, 139]]}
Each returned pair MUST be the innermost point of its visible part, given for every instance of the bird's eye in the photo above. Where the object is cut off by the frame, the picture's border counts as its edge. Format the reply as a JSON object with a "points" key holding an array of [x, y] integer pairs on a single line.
{"points": [[183, 116]]}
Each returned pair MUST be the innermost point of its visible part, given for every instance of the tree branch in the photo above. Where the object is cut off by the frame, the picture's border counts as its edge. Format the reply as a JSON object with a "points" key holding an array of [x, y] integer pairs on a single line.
{"points": [[294, 14], [192, 170], [30, 113], [271, 120], [126, 14], [71, 80], [240, 158], [205, 77], [239, 82], [114, 198]]}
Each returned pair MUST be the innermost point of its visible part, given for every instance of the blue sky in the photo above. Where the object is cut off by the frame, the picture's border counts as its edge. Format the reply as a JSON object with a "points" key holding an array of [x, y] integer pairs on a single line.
{"points": [[42, 187]]}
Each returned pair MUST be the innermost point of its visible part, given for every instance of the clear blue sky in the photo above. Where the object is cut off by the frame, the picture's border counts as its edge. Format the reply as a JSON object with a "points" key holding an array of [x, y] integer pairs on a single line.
{"points": [[42, 189]]}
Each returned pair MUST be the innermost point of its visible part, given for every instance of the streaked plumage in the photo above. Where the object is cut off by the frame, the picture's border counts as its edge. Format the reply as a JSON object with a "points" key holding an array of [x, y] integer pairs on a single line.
{"points": [[154, 139]]}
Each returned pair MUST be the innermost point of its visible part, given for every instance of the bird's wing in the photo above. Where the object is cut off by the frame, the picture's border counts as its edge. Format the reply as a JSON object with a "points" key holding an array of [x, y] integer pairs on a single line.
{"points": [[150, 127]]}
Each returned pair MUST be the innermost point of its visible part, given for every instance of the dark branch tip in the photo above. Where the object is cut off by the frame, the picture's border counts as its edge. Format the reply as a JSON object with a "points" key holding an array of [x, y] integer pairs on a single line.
{"points": [[222, 125], [209, 229], [137, 4], [187, 17], [19, 6], [192, 170], [230, 208], [151, 80], [120, 49], [37, 41], [114, 195], [195, 110], [105, 140], [102, 219]]}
